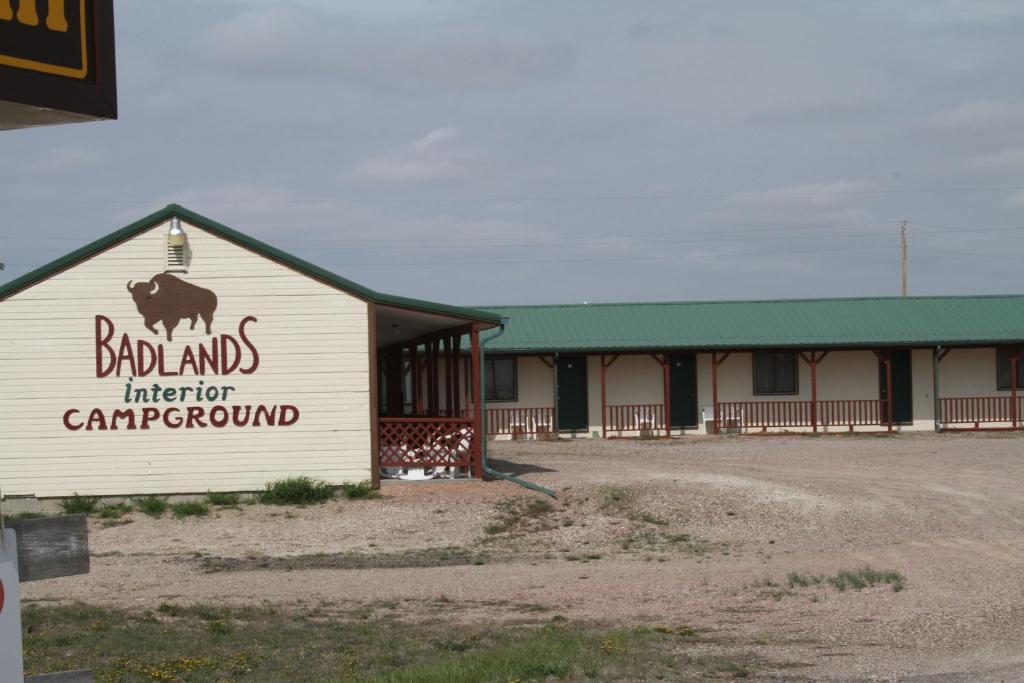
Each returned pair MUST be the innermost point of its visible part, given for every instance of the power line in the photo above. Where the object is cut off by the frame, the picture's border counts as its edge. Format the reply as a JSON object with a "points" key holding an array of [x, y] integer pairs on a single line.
{"points": [[662, 196]]}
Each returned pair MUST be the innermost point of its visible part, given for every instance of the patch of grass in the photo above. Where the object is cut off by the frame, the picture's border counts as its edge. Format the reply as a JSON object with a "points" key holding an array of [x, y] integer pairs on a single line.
{"points": [[618, 500], [114, 511], [795, 580], [525, 513], [865, 577], [296, 491], [153, 506], [193, 508], [855, 579], [77, 504], [362, 490], [651, 540], [222, 499], [205, 644], [27, 515], [764, 582]]}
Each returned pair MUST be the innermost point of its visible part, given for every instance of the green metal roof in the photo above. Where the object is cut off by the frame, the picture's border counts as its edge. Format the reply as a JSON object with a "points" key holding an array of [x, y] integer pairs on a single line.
{"points": [[305, 267], [806, 323]]}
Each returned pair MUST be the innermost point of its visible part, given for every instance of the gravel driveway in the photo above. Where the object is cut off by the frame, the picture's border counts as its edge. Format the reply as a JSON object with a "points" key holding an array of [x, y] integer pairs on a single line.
{"points": [[701, 532]]}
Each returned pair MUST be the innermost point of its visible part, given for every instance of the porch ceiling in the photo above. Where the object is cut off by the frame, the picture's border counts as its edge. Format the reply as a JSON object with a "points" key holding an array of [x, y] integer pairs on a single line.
{"points": [[399, 325]]}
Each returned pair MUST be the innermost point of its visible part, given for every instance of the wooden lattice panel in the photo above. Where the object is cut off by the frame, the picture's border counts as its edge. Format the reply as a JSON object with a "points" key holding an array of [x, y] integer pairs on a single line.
{"points": [[424, 442]]}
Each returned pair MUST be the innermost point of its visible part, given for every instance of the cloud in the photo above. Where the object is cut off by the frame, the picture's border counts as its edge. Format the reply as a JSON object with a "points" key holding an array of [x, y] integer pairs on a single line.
{"points": [[1015, 200], [957, 12], [283, 41], [809, 196], [1006, 159], [65, 160], [435, 156], [979, 114]]}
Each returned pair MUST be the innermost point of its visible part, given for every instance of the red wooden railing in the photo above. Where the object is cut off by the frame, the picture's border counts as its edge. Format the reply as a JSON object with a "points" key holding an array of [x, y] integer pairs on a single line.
{"points": [[849, 413], [764, 414], [426, 442], [520, 420], [770, 414], [978, 409], [635, 418]]}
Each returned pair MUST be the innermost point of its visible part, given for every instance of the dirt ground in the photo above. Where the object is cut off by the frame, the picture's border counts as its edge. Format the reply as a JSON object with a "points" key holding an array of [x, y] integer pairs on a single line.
{"points": [[699, 532]]}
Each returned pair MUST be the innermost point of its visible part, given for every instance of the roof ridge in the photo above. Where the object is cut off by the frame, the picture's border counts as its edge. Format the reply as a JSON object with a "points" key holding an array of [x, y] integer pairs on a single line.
{"points": [[305, 267]]}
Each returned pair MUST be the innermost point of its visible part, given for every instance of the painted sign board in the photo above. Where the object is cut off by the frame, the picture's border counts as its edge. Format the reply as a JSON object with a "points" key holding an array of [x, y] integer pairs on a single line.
{"points": [[56, 62], [10, 610], [50, 547]]}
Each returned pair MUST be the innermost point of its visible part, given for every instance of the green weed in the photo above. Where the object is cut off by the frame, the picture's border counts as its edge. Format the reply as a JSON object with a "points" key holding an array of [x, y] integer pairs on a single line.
{"points": [[151, 505], [296, 491], [77, 504], [193, 508]]}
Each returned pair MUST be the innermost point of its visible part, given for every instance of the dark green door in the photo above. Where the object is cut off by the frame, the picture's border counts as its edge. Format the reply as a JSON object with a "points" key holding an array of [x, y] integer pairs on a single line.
{"points": [[682, 388], [902, 388], [572, 393]]}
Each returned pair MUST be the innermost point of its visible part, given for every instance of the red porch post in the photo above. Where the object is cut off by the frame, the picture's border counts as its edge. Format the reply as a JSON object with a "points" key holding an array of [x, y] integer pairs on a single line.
{"points": [[667, 394], [604, 399], [1013, 386], [447, 352], [417, 401], [715, 362], [888, 385], [478, 422], [813, 361], [456, 380]]}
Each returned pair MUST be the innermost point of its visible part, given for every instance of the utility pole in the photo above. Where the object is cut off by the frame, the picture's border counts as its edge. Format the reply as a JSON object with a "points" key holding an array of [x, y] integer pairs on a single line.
{"points": [[903, 256]]}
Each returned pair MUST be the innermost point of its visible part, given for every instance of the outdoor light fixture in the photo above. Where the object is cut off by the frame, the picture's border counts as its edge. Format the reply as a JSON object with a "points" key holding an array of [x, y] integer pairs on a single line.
{"points": [[177, 243], [176, 237]]}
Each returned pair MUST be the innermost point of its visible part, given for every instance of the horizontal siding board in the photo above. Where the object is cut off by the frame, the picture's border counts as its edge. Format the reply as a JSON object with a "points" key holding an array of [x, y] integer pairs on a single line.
{"points": [[313, 344]]}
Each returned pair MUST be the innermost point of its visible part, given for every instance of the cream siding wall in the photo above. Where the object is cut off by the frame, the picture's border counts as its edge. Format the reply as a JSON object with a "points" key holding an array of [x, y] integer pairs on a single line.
{"points": [[535, 385], [969, 372], [313, 345], [842, 375]]}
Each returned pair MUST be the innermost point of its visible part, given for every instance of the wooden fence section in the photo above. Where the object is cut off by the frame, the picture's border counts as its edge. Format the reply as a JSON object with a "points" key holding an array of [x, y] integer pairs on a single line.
{"points": [[634, 417], [520, 420], [764, 414], [426, 442], [850, 413], [978, 410]]}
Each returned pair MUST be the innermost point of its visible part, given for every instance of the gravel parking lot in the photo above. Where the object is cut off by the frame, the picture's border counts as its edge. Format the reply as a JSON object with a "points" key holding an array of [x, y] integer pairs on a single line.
{"points": [[700, 532]]}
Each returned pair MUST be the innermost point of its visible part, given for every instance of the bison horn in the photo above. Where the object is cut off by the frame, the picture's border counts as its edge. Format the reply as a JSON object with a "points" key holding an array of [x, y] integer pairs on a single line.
{"points": [[129, 285], [156, 286]]}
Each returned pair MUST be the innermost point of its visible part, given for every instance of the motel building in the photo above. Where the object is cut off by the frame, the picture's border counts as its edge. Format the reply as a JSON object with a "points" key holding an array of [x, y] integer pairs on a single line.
{"points": [[177, 355]]}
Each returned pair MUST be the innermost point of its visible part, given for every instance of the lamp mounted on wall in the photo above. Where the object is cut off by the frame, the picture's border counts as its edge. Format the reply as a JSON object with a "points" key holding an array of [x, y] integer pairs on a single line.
{"points": [[178, 253]]}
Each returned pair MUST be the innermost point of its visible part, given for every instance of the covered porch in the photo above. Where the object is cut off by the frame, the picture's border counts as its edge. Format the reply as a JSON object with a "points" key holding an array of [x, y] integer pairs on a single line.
{"points": [[672, 392], [428, 407], [964, 404]]}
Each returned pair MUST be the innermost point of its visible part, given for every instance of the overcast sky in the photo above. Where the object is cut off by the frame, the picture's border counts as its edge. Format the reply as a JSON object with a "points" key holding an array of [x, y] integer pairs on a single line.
{"points": [[507, 151]]}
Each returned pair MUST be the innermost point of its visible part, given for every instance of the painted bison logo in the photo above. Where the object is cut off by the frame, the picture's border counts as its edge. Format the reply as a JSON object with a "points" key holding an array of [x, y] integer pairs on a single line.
{"points": [[169, 300]]}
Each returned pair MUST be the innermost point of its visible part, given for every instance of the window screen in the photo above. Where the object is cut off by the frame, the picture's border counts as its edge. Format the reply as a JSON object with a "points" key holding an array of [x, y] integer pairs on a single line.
{"points": [[500, 379], [775, 372]]}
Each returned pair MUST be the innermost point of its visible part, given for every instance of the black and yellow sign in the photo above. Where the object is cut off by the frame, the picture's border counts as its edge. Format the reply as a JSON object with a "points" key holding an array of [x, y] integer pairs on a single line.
{"points": [[50, 37], [56, 55]]}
